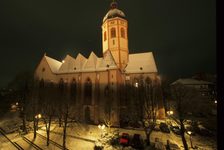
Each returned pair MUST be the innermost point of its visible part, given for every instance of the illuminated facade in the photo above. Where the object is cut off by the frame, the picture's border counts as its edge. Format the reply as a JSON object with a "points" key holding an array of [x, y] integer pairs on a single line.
{"points": [[91, 78]]}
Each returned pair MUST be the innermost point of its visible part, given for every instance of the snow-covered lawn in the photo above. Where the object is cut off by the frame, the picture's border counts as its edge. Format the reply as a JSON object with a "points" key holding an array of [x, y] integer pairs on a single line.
{"points": [[84, 137], [87, 133]]}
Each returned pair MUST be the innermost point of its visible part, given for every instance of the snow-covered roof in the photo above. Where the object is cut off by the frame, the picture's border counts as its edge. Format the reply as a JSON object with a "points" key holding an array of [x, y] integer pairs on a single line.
{"points": [[190, 81], [141, 63], [114, 13], [138, 63], [53, 63], [82, 64]]}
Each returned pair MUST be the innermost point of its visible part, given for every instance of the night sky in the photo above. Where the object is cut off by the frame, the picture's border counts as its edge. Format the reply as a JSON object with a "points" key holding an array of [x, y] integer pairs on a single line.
{"points": [[181, 34]]}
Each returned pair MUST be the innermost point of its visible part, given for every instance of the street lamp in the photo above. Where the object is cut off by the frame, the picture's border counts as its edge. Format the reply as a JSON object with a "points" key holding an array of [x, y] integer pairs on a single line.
{"points": [[189, 132], [136, 84], [101, 127], [37, 117], [215, 101], [169, 113]]}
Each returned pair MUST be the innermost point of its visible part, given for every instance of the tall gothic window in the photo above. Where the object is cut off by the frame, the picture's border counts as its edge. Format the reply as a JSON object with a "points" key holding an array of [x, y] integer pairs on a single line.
{"points": [[41, 90], [73, 89], [122, 33], [41, 83], [113, 32], [97, 92], [106, 91], [105, 36], [88, 92], [61, 86], [148, 81]]}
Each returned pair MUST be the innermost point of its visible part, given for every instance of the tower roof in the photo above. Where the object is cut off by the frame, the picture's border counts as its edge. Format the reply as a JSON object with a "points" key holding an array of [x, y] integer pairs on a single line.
{"points": [[114, 12]]}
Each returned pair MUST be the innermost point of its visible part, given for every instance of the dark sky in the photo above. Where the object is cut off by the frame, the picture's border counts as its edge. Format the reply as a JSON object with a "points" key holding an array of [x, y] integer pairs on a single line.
{"points": [[181, 34]]}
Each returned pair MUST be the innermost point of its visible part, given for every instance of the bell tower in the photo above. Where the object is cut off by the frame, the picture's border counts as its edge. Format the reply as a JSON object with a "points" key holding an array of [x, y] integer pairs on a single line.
{"points": [[115, 35]]}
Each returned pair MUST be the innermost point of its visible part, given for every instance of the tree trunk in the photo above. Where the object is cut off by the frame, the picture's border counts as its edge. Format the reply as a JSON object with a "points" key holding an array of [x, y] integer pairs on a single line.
{"points": [[59, 121], [48, 127], [48, 136], [64, 131], [37, 124], [182, 135], [147, 137], [24, 123], [109, 128], [34, 128]]}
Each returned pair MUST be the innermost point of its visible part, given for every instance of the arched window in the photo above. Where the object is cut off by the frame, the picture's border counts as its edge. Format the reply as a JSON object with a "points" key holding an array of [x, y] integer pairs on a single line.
{"points": [[87, 115], [105, 36], [136, 82], [97, 92], [61, 85], [113, 32], [106, 91], [88, 92], [148, 81], [73, 89], [41, 83], [122, 33]]}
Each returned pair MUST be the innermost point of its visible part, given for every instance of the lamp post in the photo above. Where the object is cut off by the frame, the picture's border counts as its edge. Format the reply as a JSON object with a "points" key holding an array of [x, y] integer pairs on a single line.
{"points": [[37, 117], [101, 127], [169, 113], [136, 84], [189, 132]]}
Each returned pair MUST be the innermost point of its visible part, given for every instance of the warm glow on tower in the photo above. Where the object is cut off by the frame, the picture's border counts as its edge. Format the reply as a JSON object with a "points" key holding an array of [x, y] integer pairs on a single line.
{"points": [[115, 35]]}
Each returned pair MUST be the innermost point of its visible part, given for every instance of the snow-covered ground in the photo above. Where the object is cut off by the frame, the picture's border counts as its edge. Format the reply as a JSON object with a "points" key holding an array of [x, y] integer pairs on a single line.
{"points": [[83, 137]]}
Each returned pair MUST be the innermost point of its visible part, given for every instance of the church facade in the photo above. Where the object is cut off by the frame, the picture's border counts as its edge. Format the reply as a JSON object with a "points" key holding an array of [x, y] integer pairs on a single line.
{"points": [[92, 78]]}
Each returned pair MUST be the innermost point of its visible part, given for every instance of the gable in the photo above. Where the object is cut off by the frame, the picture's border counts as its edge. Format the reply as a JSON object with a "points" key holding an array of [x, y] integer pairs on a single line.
{"points": [[80, 61], [53, 64], [68, 65], [91, 62], [43, 70]]}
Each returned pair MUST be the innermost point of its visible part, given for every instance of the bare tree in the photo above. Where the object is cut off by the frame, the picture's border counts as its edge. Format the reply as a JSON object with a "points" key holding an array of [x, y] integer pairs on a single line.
{"points": [[47, 105], [152, 94], [183, 97], [108, 92], [22, 85], [65, 107], [143, 97], [33, 105]]}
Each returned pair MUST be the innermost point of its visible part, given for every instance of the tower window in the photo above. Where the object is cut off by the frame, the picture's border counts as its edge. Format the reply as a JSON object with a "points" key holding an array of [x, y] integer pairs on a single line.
{"points": [[122, 33], [105, 36], [113, 42], [113, 32]]}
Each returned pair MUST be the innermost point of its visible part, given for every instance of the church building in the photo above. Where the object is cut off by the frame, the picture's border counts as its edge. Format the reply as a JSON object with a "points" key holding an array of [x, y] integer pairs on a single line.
{"points": [[91, 78]]}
